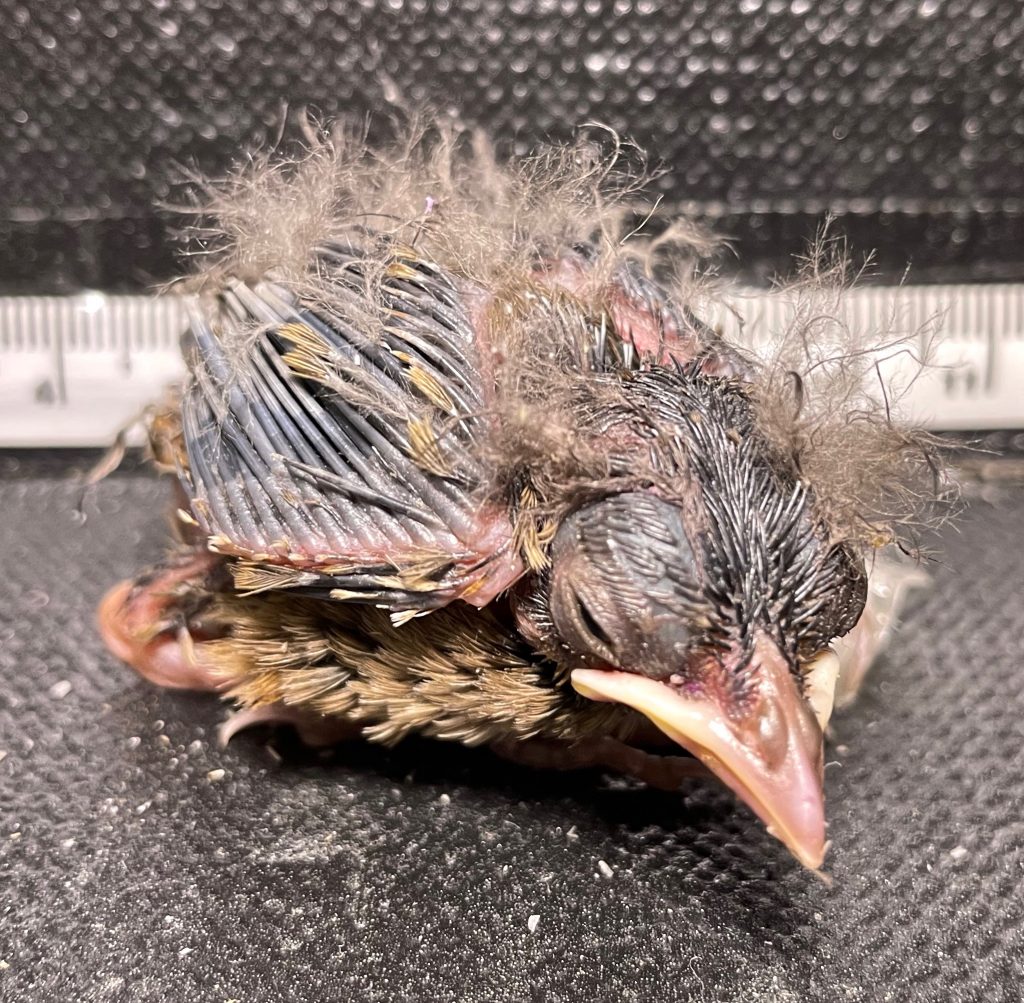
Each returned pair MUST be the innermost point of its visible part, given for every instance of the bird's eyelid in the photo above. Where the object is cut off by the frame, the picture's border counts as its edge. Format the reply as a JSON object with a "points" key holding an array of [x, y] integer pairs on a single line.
{"points": [[578, 622], [592, 623]]}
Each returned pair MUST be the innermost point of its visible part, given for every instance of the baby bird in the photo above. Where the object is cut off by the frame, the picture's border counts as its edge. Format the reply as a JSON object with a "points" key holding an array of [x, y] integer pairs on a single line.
{"points": [[457, 458]]}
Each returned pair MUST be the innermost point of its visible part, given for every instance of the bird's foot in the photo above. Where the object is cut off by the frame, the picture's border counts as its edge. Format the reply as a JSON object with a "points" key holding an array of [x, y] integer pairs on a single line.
{"points": [[661, 771], [154, 621], [314, 730]]}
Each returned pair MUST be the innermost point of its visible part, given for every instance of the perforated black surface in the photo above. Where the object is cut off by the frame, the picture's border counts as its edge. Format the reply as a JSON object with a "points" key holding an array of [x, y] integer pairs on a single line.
{"points": [[905, 117], [129, 871]]}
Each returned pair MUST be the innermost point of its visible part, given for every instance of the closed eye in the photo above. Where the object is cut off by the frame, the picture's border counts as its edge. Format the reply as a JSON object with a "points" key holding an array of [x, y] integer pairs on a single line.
{"points": [[592, 626], [592, 636]]}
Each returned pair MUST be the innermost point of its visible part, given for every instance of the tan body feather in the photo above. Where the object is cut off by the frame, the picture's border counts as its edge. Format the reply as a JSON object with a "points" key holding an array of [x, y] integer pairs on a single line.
{"points": [[458, 674]]}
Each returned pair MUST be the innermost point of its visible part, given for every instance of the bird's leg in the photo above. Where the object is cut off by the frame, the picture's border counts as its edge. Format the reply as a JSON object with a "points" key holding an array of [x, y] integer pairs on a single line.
{"points": [[153, 622], [889, 584], [660, 771]]}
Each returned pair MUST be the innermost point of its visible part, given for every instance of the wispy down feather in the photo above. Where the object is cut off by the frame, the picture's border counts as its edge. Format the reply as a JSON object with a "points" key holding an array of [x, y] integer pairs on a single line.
{"points": [[830, 400], [529, 235]]}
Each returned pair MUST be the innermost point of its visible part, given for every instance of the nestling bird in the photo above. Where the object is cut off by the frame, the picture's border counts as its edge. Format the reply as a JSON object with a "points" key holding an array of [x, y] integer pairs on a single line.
{"points": [[457, 456]]}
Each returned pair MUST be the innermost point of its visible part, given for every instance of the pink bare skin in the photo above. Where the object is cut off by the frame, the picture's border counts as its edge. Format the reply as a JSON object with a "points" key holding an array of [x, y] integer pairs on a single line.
{"points": [[140, 625]]}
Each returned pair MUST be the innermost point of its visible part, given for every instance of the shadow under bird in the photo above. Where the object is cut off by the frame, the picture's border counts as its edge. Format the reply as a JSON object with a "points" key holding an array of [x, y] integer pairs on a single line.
{"points": [[457, 458]]}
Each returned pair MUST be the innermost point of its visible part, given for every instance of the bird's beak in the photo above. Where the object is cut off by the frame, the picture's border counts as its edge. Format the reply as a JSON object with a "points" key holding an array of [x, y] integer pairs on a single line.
{"points": [[771, 753]]}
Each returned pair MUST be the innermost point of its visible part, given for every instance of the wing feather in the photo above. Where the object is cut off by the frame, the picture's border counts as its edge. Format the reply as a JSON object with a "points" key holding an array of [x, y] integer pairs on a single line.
{"points": [[331, 439]]}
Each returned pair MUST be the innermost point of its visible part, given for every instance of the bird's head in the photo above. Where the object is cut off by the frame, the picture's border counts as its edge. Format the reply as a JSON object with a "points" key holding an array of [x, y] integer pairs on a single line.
{"points": [[711, 612]]}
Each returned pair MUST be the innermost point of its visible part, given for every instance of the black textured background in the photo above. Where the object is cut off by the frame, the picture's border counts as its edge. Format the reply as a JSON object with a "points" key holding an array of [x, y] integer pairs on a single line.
{"points": [[128, 874], [904, 117]]}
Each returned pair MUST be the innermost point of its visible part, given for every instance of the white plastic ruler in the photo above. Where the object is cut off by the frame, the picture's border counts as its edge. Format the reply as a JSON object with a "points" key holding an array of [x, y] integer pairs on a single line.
{"points": [[75, 369]]}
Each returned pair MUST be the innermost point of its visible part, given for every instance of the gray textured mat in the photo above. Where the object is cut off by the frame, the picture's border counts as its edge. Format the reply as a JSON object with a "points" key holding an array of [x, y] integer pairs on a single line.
{"points": [[129, 872]]}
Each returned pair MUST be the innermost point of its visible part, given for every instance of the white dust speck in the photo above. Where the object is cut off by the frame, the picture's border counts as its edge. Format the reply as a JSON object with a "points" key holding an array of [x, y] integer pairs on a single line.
{"points": [[445, 799], [958, 852], [532, 923], [4, 965], [141, 809], [3, 755], [185, 952], [214, 775], [572, 835], [60, 690], [605, 868], [134, 742]]}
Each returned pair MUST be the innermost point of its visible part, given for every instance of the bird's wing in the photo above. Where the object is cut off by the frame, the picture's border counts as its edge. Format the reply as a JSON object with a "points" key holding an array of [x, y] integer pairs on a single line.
{"points": [[648, 323], [330, 436], [665, 330]]}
